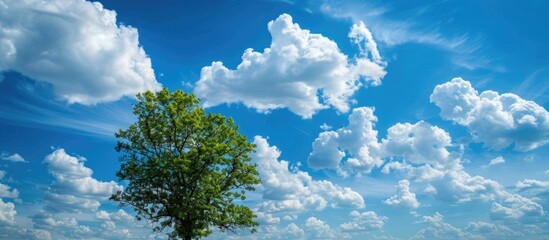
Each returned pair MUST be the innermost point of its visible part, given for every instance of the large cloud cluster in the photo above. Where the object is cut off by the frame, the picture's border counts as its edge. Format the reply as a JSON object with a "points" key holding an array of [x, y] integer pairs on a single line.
{"points": [[497, 120], [302, 71], [291, 190], [77, 47], [355, 148]]}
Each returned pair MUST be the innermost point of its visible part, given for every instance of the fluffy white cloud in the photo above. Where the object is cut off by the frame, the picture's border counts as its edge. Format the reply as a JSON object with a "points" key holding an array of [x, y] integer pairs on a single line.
{"points": [[358, 139], [438, 229], [423, 173], [497, 120], [5, 190], [12, 157], [7, 213], [418, 143], [294, 190], [492, 231], [365, 221], [75, 45], [459, 186], [16, 232], [291, 231], [120, 216], [533, 187], [515, 207], [320, 229], [355, 148], [403, 197], [67, 227], [301, 71], [73, 188]]}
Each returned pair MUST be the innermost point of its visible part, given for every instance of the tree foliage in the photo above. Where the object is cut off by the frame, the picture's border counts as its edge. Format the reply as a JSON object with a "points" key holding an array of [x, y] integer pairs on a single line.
{"points": [[186, 170]]}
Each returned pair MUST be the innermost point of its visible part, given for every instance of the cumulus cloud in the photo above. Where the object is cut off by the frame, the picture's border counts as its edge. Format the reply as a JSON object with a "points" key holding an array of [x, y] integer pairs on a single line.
{"points": [[403, 197], [459, 186], [73, 188], [357, 141], [120, 216], [5, 190], [438, 229], [355, 148], [67, 227], [321, 229], [291, 231], [497, 120], [492, 231], [294, 190], [302, 71], [365, 221], [423, 173], [515, 207], [12, 157], [7, 213], [77, 47]]}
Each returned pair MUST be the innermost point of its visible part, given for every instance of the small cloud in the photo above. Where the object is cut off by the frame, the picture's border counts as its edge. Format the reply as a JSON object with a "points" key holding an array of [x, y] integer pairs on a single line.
{"points": [[12, 157], [325, 127], [495, 161]]}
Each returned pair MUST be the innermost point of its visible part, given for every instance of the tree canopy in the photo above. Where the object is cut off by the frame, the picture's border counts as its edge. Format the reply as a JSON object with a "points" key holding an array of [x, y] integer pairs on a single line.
{"points": [[186, 170]]}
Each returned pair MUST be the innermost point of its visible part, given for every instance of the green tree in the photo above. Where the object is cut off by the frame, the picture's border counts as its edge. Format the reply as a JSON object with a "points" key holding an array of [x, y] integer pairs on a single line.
{"points": [[185, 168]]}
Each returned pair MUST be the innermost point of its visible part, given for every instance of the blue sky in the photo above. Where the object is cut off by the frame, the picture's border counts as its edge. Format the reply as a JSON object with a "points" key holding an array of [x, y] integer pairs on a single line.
{"points": [[372, 119]]}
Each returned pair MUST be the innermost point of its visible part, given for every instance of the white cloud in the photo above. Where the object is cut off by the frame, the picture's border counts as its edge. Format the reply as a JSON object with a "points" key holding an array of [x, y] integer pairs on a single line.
{"points": [[458, 186], [365, 221], [423, 173], [292, 73], [527, 184], [291, 231], [403, 197], [77, 46], [320, 229], [12, 157], [492, 231], [266, 218], [7, 213], [515, 207], [418, 143], [497, 120], [325, 127], [534, 187], [466, 51], [495, 161], [16, 232], [5, 192], [120, 216], [358, 139], [284, 190], [73, 188], [357, 142], [438, 229], [67, 227]]}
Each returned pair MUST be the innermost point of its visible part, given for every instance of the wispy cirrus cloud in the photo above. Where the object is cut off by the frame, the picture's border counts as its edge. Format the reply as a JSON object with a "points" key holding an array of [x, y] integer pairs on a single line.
{"points": [[466, 49]]}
